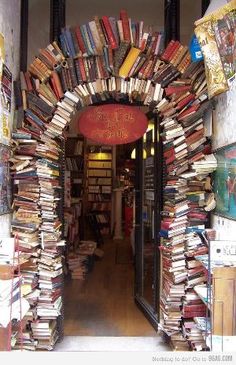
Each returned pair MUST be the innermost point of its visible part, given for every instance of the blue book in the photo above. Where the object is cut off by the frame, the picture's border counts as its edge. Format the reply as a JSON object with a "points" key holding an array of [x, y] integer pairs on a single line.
{"points": [[195, 229], [86, 40], [70, 43], [163, 233], [63, 44], [93, 45], [34, 117], [106, 59]]}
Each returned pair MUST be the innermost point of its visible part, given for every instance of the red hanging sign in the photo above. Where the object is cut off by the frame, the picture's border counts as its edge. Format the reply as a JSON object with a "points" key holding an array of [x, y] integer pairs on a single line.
{"points": [[113, 124]]}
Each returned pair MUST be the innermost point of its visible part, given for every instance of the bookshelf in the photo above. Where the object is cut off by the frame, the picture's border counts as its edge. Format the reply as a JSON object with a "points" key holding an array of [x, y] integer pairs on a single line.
{"points": [[99, 186], [74, 190]]}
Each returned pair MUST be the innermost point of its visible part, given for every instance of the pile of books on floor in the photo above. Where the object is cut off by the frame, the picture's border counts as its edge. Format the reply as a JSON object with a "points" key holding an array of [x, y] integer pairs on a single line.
{"points": [[187, 199], [81, 262]]}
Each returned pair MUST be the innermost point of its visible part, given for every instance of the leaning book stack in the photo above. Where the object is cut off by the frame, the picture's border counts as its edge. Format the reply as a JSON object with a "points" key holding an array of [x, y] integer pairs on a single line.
{"points": [[35, 173], [187, 199]]}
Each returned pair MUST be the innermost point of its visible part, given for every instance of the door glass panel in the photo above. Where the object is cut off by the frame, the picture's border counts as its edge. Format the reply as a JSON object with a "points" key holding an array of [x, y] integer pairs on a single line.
{"points": [[148, 216]]}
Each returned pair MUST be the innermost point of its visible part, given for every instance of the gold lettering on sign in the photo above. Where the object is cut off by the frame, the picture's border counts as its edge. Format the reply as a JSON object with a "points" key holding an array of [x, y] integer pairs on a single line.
{"points": [[117, 123]]}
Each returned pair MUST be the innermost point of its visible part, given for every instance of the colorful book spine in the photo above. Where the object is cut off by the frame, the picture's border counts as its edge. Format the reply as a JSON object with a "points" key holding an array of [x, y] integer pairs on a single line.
{"points": [[129, 61], [125, 24], [80, 41], [109, 31], [86, 40]]}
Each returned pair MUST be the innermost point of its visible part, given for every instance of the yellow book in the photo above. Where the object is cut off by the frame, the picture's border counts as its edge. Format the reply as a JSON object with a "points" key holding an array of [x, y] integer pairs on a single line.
{"points": [[129, 61]]}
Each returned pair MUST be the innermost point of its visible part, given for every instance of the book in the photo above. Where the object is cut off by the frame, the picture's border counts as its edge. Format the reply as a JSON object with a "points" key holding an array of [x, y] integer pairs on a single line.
{"points": [[128, 62]]}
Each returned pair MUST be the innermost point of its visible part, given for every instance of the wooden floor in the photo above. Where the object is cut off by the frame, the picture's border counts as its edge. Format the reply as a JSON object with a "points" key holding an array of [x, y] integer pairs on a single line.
{"points": [[103, 305]]}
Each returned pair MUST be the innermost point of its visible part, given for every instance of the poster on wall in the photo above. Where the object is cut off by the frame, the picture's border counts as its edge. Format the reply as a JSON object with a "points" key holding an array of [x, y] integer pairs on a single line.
{"points": [[224, 29], [5, 104], [5, 188], [225, 181]]}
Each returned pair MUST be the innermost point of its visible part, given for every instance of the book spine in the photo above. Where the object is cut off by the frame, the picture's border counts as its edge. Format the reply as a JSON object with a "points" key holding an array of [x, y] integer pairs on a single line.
{"points": [[71, 67], [109, 31], [64, 45], [57, 84], [120, 30], [100, 31], [96, 37], [86, 39], [78, 52], [69, 39], [125, 24], [91, 39], [80, 41], [62, 76], [113, 24], [174, 50], [166, 54], [129, 61]]}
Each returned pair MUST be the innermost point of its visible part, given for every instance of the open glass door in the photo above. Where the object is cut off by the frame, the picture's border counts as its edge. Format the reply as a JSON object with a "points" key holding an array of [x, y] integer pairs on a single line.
{"points": [[147, 222]]}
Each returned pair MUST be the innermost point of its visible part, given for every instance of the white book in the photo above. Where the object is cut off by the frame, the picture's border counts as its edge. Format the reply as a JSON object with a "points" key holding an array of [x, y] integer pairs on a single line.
{"points": [[95, 34], [120, 30], [140, 33], [147, 87], [72, 97], [157, 90]]}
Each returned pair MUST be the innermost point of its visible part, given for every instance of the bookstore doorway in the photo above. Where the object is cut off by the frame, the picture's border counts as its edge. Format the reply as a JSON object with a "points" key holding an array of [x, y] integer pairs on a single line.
{"points": [[108, 188]]}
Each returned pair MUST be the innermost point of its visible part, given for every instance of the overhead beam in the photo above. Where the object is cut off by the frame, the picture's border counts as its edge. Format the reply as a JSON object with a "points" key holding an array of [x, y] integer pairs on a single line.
{"points": [[57, 18], [205, 4], [172, 20], [24, 34]]}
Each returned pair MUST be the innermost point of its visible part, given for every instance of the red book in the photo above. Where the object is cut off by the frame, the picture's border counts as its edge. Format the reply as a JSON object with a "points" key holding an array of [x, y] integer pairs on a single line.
{"points": [[170, 159], [80, 40], [169, 152], [28, 81], [56, 83], [174, 50], [196, 307], [194, 137], [167, 51], [185, 101], [82, 69], [125, 24], [176, 89], [193, 314], [109, 31], [197, 157], [192, 109]]}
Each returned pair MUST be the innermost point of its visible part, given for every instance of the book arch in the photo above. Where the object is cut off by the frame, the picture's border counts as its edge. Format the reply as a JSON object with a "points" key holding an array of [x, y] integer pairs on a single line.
{"points": [[97, 63]]}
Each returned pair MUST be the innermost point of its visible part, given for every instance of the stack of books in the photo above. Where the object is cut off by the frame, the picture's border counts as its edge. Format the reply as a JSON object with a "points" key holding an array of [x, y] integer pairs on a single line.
{"points": [[77, 266], [81, 262], [46, 334], [187, 194]]}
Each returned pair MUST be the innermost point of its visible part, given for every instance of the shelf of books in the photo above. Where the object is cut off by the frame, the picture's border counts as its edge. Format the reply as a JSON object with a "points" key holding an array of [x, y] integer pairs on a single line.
{"points": [[99, 186], [74, 190]]}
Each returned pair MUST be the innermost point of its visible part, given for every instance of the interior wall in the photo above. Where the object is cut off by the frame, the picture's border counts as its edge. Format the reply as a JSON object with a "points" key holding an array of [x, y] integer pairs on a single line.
{"points": [[150, 11], [38, 27], [10, 29], [190, 11]]}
